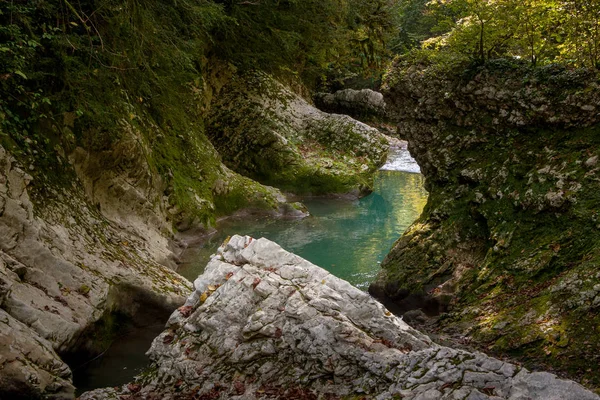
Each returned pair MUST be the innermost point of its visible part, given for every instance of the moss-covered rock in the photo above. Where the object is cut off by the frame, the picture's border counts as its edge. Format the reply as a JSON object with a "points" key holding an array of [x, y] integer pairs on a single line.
{"points": [[508, 242], [365, 105], [266, 132]]}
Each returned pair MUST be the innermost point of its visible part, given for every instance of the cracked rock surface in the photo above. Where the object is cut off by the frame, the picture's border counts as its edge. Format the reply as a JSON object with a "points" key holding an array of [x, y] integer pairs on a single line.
{"points": [[264, 323], [63, 266]]}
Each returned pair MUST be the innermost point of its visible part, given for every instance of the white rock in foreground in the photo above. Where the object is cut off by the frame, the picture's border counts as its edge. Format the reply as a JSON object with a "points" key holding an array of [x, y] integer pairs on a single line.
{"points": [[264, 323]]}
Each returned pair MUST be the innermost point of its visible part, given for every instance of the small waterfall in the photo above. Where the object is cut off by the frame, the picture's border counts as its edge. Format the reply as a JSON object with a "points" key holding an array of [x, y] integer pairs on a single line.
{"points": [[399, 159]]}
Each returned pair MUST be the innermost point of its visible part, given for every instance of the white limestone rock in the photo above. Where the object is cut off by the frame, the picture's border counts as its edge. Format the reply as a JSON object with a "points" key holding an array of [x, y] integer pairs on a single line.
{"points": [[62, 266], [264, 323]]}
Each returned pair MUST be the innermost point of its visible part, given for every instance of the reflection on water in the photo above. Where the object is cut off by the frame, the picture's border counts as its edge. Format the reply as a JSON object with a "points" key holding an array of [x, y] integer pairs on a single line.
{"points": [[348, 238], [122, 361]]}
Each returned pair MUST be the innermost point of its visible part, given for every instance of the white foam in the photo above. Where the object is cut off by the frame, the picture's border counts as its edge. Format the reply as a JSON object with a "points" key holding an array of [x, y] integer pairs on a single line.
{"points": [[399, 159]]}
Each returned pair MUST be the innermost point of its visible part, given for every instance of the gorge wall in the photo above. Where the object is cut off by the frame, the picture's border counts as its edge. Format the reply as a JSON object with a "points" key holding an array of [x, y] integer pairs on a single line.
{"points": [[508, 242], [90, 232], [267, 132]]}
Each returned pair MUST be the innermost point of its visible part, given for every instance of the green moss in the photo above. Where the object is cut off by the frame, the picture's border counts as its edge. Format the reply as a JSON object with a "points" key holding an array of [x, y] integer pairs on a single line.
{"points": [[139, 73], [258, 136], [520, 263], [245, 193], [84, 289]]}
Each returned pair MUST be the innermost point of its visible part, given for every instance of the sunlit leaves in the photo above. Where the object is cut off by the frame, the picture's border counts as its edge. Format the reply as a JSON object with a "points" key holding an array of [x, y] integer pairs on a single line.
{"points": [[540, 31]]}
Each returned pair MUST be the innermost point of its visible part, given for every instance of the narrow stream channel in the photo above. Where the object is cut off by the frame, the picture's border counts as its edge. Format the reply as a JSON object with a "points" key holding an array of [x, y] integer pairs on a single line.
{"points": [[348, 238]]}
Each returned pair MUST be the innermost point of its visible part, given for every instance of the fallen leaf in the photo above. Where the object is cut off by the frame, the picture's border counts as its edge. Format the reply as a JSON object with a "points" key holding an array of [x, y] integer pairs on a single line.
{"points": [[255, 283], [169, 338], [185, 311]]}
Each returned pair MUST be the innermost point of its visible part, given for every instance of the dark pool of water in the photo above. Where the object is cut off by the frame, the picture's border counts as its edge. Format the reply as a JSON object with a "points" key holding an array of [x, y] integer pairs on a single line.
{"points": [[120, 363], [348, 238]]}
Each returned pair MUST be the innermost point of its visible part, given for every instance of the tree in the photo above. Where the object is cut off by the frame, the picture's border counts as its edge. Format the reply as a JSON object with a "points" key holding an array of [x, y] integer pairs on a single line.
{"points": [[541, 31], [582, 32]]}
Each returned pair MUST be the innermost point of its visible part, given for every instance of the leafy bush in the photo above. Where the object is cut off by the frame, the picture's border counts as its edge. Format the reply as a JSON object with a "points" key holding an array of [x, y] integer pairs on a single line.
{"points": [[540, 31]]}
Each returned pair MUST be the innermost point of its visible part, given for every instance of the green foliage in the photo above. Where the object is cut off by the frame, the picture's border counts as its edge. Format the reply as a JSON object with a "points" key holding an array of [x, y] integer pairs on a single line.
{"points": [[313, 39], [419, 20], [89, 58], [56, 59], [540, 31], [361, 61], [22, 101]]}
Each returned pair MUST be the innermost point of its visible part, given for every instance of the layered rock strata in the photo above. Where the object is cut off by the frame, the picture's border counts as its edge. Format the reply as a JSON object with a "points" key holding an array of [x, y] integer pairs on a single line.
{"points": [[63, 267]]}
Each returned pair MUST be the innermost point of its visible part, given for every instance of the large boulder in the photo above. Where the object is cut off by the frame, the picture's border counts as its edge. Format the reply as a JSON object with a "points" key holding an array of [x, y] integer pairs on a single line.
{"points": [[263, 323], [270, 134], [364, 104]]}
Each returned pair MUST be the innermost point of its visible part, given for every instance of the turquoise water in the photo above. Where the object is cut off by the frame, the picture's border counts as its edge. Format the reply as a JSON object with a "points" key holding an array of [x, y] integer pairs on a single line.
{"points": [[348, 238]]}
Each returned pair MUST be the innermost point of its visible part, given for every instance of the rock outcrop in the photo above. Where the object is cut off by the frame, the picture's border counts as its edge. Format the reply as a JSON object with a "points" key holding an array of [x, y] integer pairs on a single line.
{"points": [[365, 104], [263, 323], [508, 242], [63, 267], [266, 132], [92, 237]]}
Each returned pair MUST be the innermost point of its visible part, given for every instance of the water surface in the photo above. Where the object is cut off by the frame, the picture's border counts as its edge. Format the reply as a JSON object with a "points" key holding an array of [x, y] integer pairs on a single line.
{"points": [[348, 238], [122, 361]]}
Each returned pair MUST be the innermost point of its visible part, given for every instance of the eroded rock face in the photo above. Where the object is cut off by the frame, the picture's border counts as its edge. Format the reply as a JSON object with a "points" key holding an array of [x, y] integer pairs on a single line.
{"points": [[29, 367], [510, 235], [266, 132], [62, 267], [263, 323], [365, 104]]}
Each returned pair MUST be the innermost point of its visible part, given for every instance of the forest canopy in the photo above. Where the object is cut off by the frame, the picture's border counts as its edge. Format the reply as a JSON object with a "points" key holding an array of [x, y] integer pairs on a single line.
{"points": [[539, 31], [62, 55]]}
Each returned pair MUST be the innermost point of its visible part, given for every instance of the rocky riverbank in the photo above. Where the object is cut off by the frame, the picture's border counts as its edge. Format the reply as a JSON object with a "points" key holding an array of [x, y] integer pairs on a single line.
{"points": [[263, 323], [265, 131], [64, 271], [507, 246], [89, 236]]}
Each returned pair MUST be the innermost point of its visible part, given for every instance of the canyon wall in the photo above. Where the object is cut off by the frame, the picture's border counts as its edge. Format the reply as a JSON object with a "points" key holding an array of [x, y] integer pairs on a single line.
{"points": [[507, 246]]}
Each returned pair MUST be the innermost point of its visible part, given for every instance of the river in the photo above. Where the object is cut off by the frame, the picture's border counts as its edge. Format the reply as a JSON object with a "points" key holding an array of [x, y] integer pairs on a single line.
{"points": [[348, 238]]}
